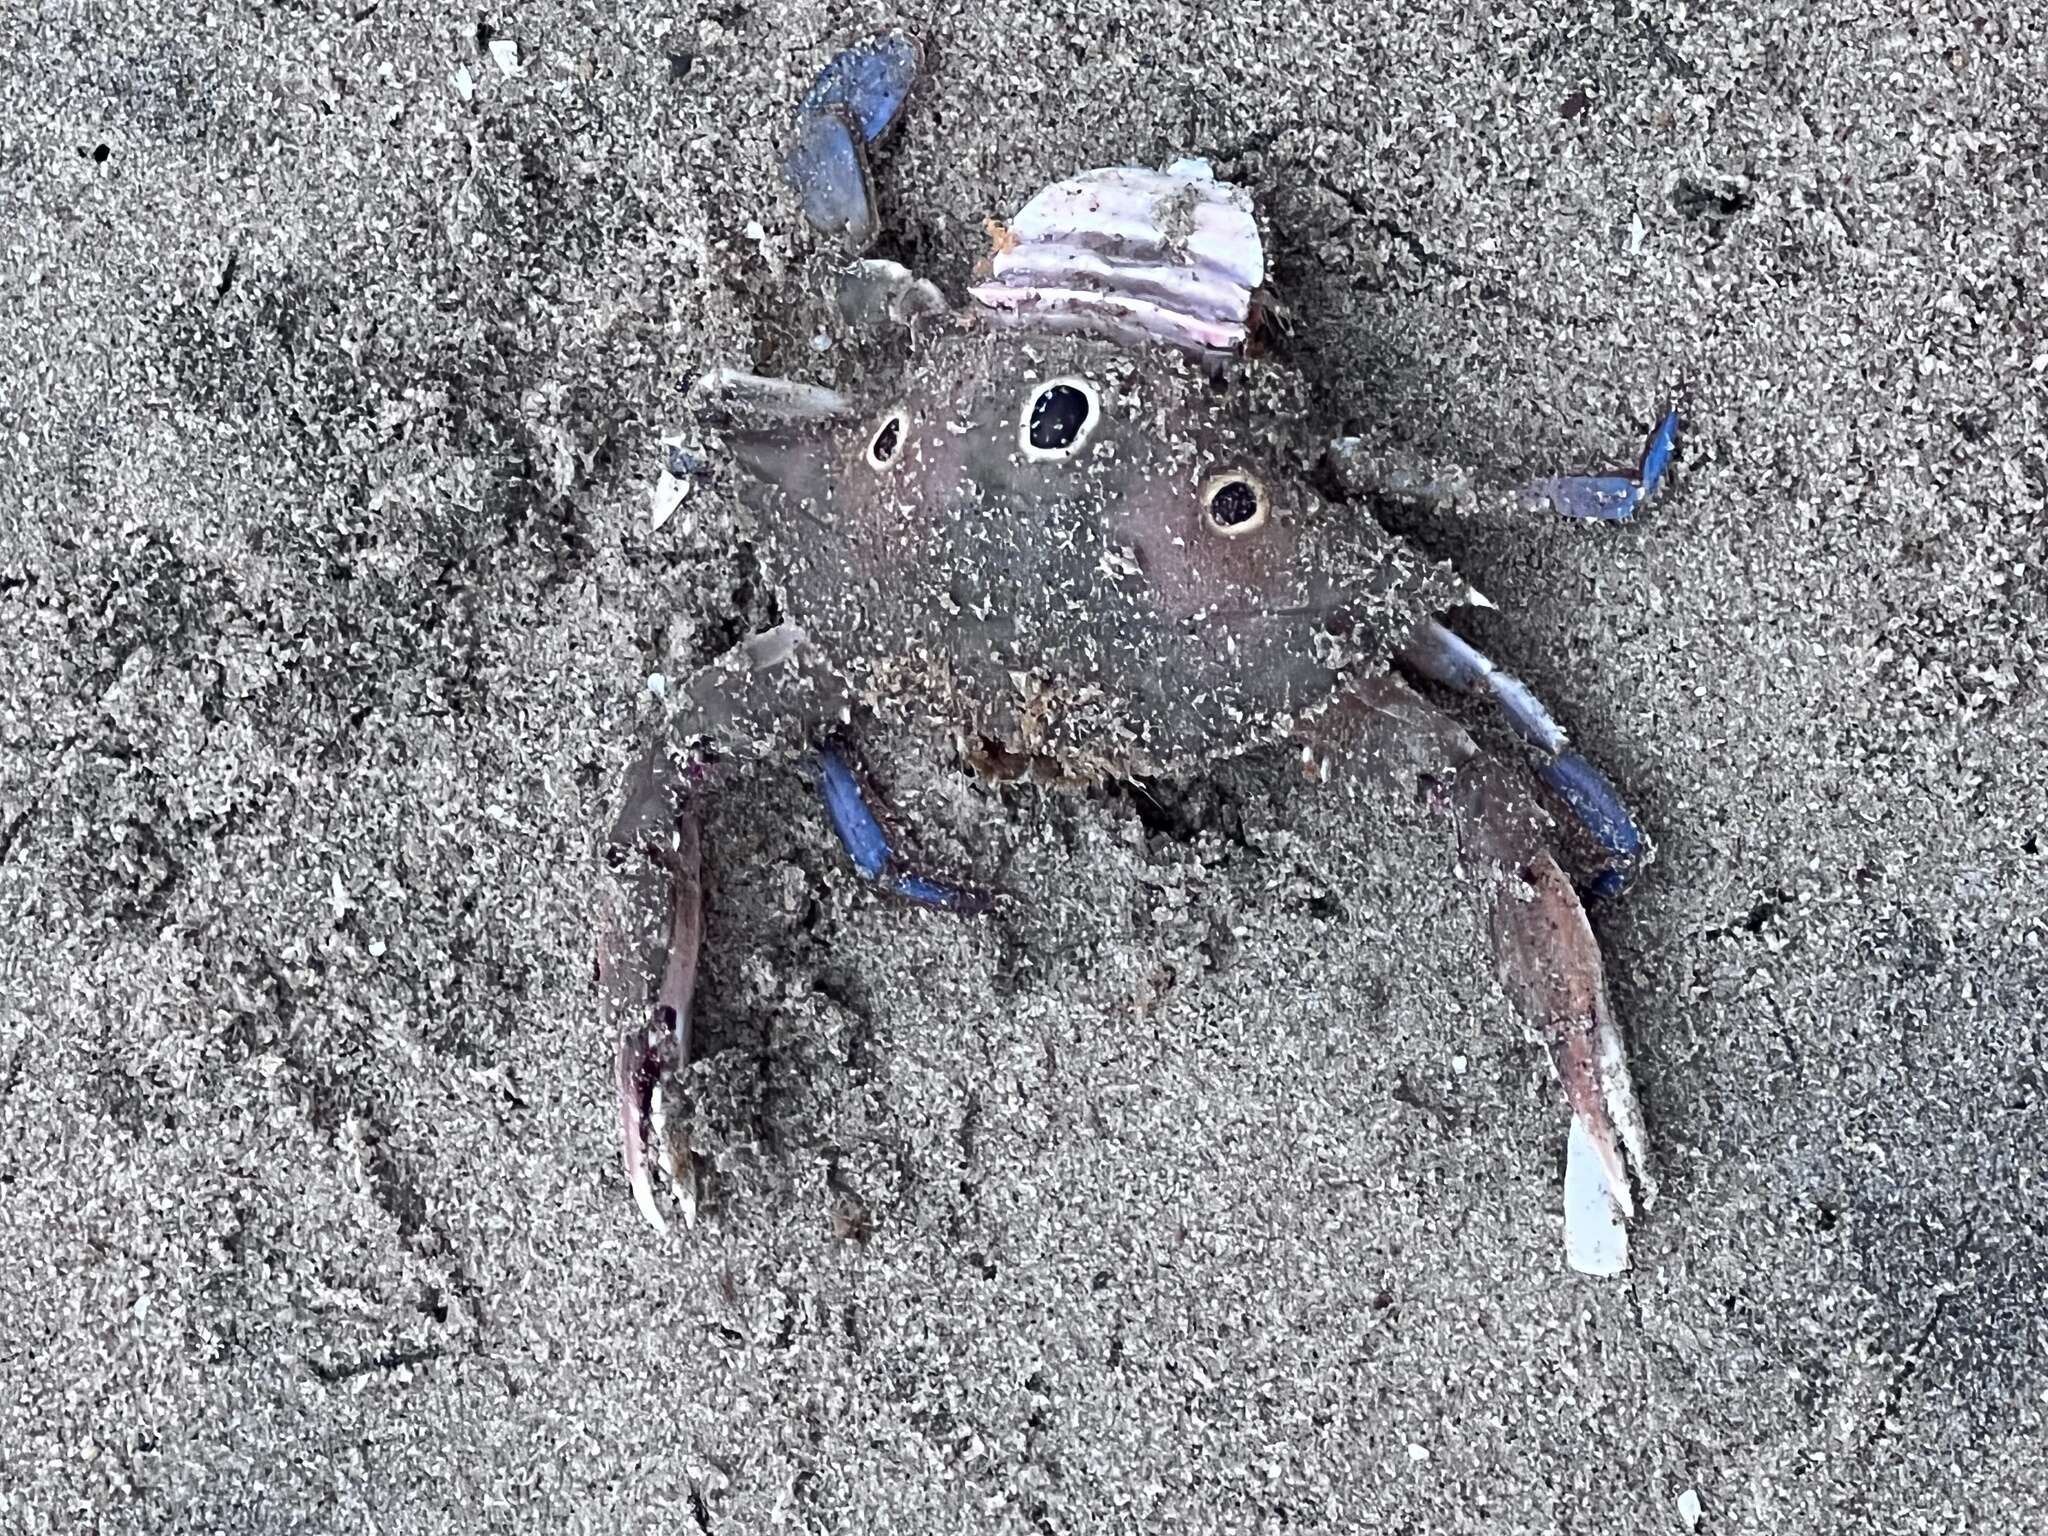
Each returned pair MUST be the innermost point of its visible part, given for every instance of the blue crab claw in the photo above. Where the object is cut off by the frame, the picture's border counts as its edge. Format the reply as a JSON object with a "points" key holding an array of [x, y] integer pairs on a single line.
{"points": [[651, 929], [1614, 498], [871, 847], [1550, 968], [857, 98]]}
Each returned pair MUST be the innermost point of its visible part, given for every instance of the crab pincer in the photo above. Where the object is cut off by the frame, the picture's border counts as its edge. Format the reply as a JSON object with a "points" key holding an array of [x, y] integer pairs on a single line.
{"points": [[651, 929]]}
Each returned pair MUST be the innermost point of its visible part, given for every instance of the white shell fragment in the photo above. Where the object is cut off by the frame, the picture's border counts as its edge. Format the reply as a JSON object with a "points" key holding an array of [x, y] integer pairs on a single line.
{"points": [[505, 54], [773, 647], [669, 493], [1169, 256], [1689, 1509], [1595, 1236]]}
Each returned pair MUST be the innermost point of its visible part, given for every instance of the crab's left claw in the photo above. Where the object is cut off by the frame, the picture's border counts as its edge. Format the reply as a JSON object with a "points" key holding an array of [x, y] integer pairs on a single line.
{"points": [[855, 101], [647, 962]]}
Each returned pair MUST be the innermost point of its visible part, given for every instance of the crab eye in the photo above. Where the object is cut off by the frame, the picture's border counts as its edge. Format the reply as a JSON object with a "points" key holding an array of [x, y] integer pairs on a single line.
{"points": [[1235, 503], [1059, 418], [887, 440]]}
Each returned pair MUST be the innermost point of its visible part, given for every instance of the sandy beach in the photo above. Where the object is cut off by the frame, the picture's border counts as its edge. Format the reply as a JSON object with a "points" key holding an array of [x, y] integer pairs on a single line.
{"points": [[1210, 1188]]}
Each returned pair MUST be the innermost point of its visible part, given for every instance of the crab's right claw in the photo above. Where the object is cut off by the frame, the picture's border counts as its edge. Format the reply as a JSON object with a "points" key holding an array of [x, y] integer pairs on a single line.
{"points": [[857, 98], [1551, 970], [647, 962]]}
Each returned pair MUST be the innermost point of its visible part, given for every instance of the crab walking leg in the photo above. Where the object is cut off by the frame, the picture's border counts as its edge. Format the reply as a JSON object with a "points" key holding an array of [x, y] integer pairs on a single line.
{"points": [[1441, 656], [1613, 497], [647, 958], [869, 845], [857, 98], [1546, 957]]}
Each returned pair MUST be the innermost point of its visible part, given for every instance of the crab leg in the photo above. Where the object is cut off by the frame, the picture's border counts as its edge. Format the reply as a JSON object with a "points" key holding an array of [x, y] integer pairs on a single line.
{"points": [[870, 846], [857, 98], [1437, 653], [1614, 497], [652, 901], [1546, 957], [651, 930]]}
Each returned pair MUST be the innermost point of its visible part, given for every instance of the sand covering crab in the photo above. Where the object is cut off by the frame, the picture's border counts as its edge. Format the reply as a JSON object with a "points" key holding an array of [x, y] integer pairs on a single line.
{"points": [[1071, 526]]}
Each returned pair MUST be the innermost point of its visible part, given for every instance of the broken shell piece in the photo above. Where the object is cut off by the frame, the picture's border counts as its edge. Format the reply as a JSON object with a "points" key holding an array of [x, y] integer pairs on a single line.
{"points": [[855, 101], [773, 647], [871, 83], [1114, 317], [1595, 1236], [1186, 220], [828, 167], [1131, 254], [505, 54], [669, 492]]}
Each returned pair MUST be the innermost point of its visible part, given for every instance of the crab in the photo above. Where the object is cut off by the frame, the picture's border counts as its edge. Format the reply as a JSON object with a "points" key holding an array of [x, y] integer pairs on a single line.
{"points": [[1073, 526]]}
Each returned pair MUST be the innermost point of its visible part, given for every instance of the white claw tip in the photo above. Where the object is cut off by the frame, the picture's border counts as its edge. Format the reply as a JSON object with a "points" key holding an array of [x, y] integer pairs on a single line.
{"points": [[1595, 1235], [643, 1196]]}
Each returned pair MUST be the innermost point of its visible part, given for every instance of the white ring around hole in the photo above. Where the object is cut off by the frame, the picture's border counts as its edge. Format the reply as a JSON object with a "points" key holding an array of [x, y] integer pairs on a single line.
{"points": [[1081, 386], [1261, 513], [901, 419]]}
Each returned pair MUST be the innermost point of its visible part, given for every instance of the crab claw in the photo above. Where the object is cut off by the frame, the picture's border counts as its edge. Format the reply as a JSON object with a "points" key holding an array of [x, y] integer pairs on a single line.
{"points": [[1550, 968], [647, 961], [1545, 955], [1549, 965]]}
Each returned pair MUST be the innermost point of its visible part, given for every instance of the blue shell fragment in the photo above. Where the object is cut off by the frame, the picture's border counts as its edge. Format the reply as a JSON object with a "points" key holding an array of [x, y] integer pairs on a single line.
{"points": [[857, 98], [866, 842], [1615, 498]]}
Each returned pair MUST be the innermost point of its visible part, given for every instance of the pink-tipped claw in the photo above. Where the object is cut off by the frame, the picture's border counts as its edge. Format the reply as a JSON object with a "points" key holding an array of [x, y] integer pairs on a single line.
{"points": [[651, 931]]}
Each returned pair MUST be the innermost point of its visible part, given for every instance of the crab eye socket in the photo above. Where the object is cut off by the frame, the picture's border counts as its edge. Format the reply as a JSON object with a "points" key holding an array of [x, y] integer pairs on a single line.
{"points": [[887, 441], [1059, 418], [1235, 503]]}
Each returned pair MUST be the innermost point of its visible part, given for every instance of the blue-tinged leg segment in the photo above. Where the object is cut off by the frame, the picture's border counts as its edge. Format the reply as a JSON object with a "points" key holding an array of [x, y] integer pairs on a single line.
{"points": [[1615, 498], [868, 844], [855, 101], [1450, 660], [871, 81], [1599, 810]]}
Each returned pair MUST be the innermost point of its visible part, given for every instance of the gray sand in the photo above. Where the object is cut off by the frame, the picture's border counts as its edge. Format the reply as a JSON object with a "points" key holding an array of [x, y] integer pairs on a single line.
{"points": [[1215, 1189]]}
